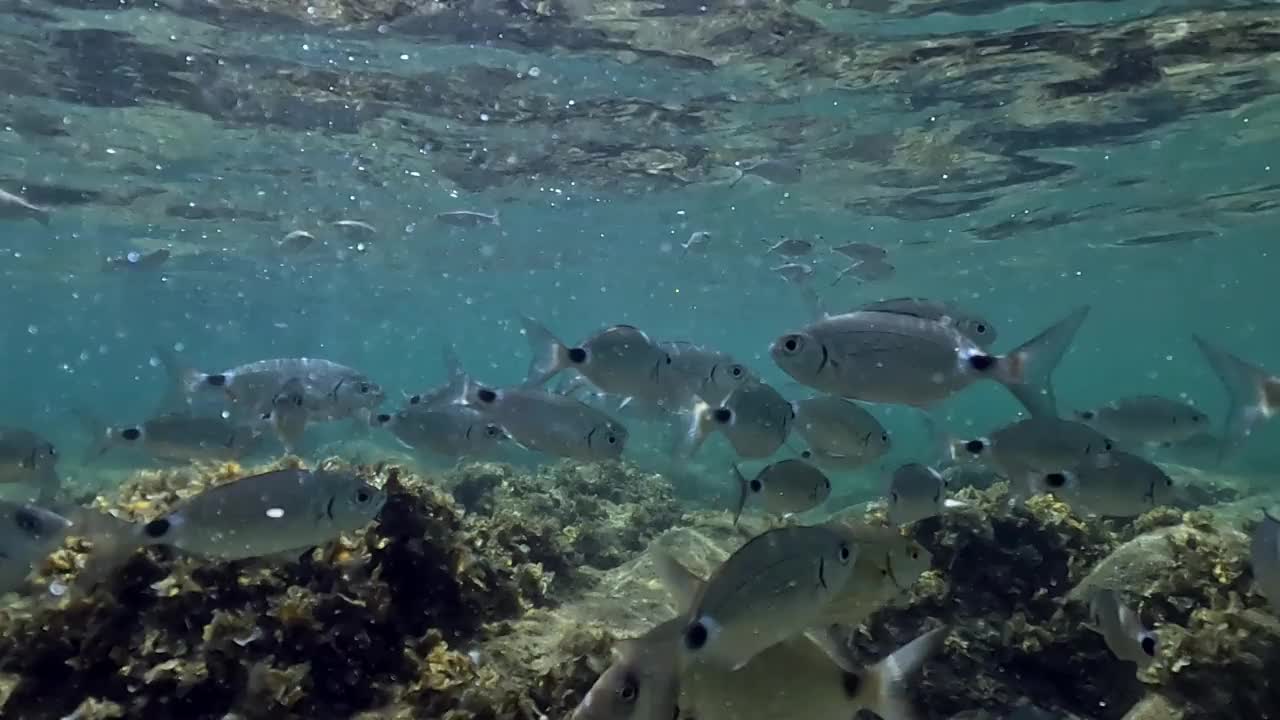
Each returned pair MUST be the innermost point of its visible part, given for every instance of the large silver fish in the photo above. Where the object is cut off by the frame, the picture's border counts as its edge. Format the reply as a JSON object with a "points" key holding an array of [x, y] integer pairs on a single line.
{"points": [[550, 423], [1121, 628], [267, 514], [754, 418], [28, 459], [1146, 420], [840, 433], [771, 588], [1264, 558], [1118, 484], [451, 431], [895, 358], [28, 534], [620, 360], [175, 436], [785, 487], [1253, 394]]}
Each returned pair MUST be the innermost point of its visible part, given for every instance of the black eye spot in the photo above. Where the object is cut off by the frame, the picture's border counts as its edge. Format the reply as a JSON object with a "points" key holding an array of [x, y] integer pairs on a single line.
{"points": [[485, 395], [1149, 646], [216, 380], [696, 636], [975, 446], [982, 363], [1055, 480], [27, 521], [722, 415], [157, 528], [131, 434], [577, 356]]}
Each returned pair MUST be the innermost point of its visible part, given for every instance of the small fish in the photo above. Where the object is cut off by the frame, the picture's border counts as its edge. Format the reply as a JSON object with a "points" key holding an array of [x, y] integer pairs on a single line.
{"points": [[28, 459], [794, 273], [355, 227], [1264, 559], [1037, 445], [174, 436], [452, 431], [134, 260], [706, 373], [275, 512], [783, 488], [549, 423], [1119, 485], [754, 418], [697, 243], [892, 358], [789, 247], [296, 241], [862, 252], [1146, 419], [771, 588], [28, 534], [867, 271], [840, 432], [917, 492], [620, 360], [976, 328], [1121, 628], [1253, 394], [468, 218], [14, 207]]}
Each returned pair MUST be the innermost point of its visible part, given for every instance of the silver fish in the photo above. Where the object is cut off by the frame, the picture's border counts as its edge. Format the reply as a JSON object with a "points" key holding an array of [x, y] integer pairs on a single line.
{"points": [[771, 588], [620, 360], [754, 418], [175, 436], [468, 218], [784, 488], [794, 273], [1146, 419], [14, 207], [1117, 485], [861, 252], [267, 514], [916, 492], [549, 423], [1121, 628], [867, 271], [976, 328], [892, 358], [840, 432], [1264, 558], [28, 534], [789, 247], [28, 459], [696, 370], [134, 260], [452, 431], [1253, 394], [296, 241], [329, 391], [697, 243], [1037, 445]]}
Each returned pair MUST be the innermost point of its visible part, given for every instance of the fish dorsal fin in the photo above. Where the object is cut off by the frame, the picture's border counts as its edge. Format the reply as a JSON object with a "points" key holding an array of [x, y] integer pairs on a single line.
{"points": [[683, 585]]}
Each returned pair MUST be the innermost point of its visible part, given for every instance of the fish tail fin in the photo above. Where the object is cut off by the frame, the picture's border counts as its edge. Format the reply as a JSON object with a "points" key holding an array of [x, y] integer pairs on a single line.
{"points": [[289, 414], [1249, 401], [884, 689], [1027, 370], [700, 426], [550, 356], [744, 490], [183, 380], [101, 437]]}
